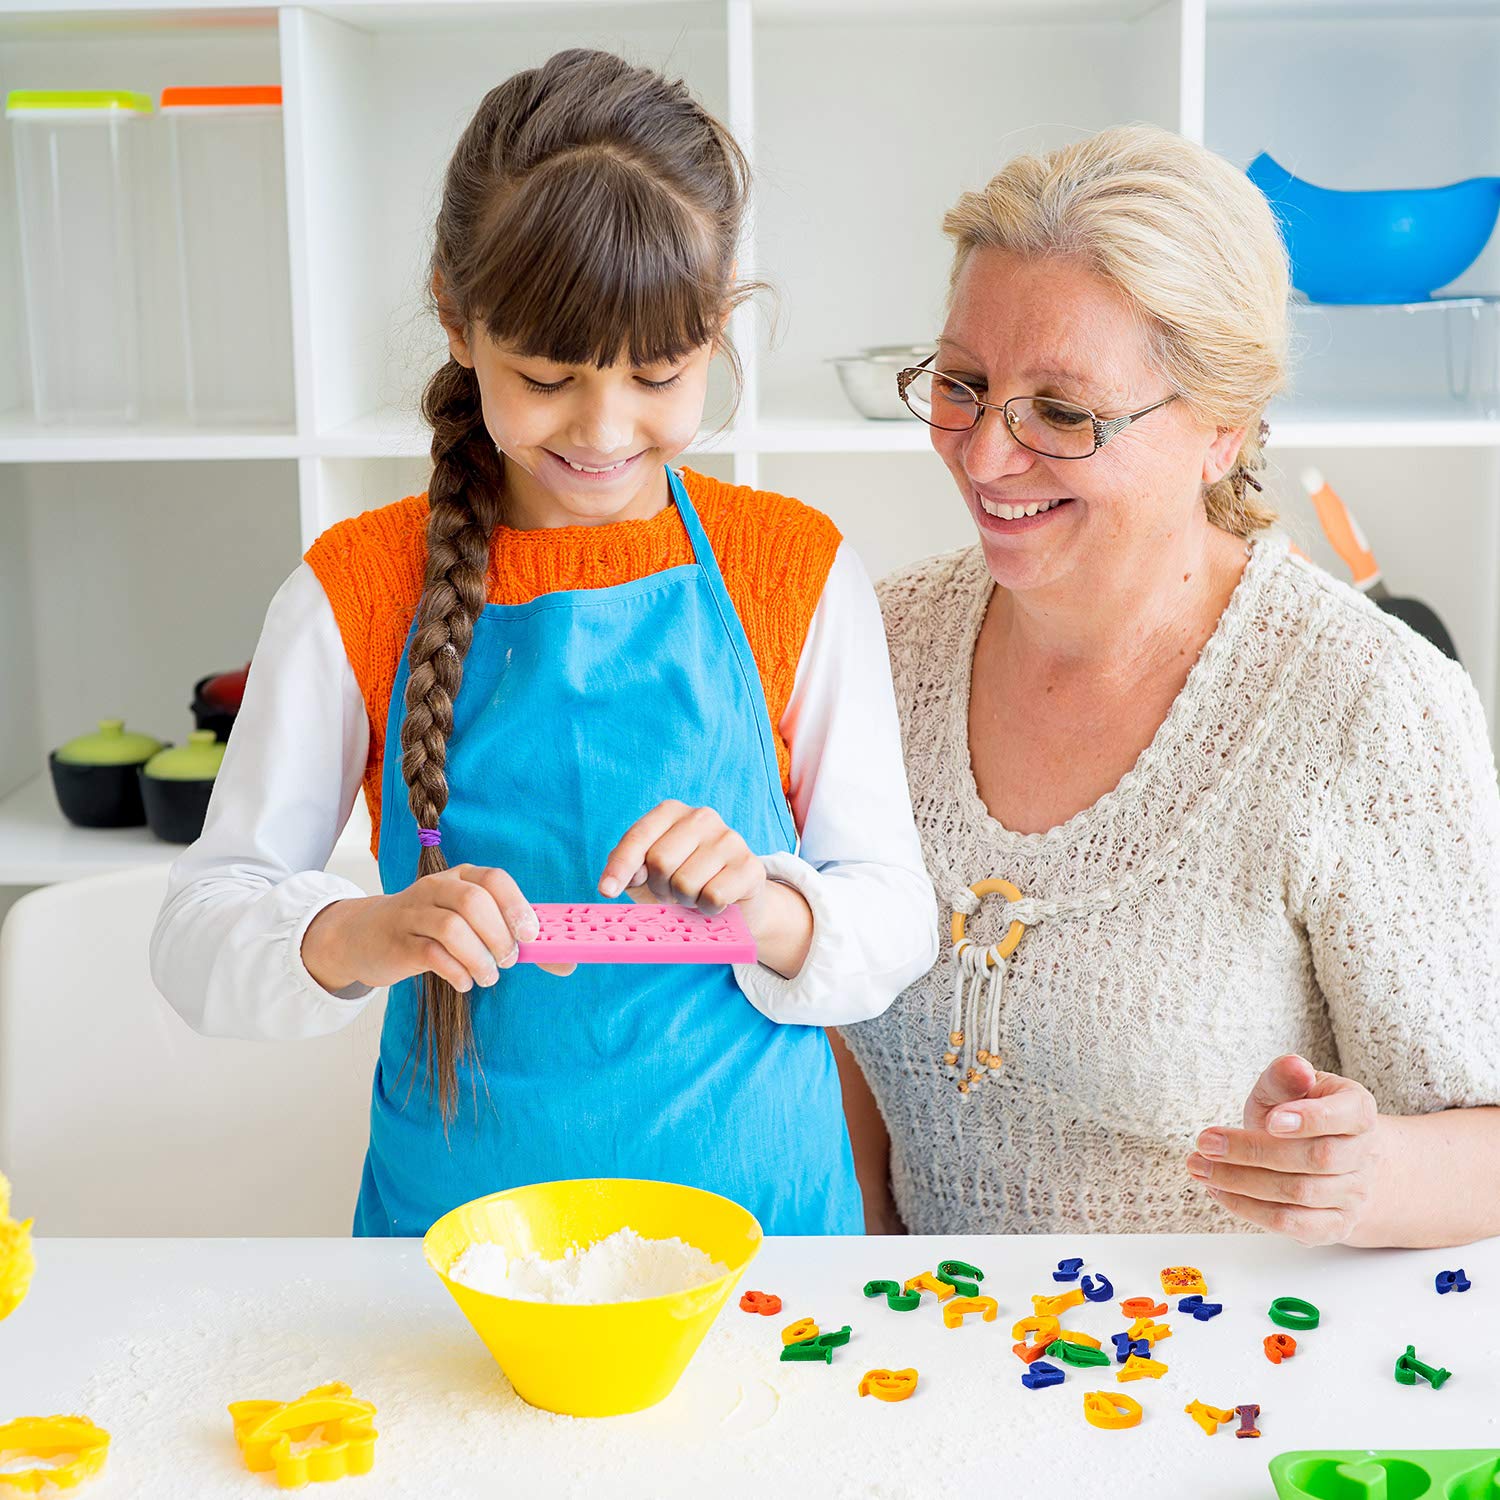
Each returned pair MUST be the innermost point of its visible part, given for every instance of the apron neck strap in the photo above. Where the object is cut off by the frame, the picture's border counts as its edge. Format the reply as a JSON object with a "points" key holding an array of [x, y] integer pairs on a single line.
{"points": [[703, 552]]}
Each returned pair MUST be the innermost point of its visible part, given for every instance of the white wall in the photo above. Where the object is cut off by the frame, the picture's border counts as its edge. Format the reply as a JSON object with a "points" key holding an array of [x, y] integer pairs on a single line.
{"points": [[155, 575]]}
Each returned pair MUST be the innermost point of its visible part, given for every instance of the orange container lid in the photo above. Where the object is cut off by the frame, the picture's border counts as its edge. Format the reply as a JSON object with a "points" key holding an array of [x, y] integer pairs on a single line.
{"points": [[251, 96]]}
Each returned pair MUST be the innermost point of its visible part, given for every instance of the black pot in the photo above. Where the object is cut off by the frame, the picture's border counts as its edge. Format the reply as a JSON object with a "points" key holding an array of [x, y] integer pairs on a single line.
{"points": [[98, 796], [207, 715], [174, 809]]}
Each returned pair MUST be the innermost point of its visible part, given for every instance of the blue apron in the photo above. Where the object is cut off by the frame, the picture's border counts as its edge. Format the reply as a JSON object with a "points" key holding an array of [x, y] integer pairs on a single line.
{"points": [[579, 712]]}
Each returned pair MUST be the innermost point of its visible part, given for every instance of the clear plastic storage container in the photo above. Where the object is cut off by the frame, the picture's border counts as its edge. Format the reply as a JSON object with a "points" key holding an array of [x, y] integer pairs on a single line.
{"points": [[1438, 358], [77, 179], [229, 186]]}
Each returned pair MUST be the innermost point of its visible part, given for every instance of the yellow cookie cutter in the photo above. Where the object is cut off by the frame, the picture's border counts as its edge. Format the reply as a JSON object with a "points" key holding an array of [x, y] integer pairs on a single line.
{"points": [[955, 1311], [928, 1282], [268, 1431], [1136, 1368], [1050, 1307], [17, 1263], [44, 1438], [1111, 1409], [1209, 1418], [888, 1385], [1087, 1339], [1007, 944], [1044, 1326], [800, 1331], [1150, 1330]]}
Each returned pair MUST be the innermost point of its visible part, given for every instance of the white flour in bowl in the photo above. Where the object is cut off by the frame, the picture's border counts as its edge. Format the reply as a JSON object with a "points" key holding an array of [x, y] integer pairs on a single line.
{"points": [[622, 1267]]}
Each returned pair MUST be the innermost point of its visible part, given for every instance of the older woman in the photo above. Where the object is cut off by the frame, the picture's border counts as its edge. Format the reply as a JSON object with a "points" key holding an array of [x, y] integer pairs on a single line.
{"points": [[1249, 822]]}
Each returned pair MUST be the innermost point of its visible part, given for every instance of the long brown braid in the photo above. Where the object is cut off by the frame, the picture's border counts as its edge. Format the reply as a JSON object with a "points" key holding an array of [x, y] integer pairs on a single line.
{"points": [[590, 213]]}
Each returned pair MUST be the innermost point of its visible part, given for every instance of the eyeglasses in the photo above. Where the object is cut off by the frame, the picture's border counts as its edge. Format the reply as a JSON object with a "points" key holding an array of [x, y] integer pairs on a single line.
{"points": [[1055, 429]]}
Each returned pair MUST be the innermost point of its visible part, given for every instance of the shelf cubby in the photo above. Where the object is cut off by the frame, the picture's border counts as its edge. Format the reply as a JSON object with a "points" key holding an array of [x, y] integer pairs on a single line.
{"points": [[134, 558]]}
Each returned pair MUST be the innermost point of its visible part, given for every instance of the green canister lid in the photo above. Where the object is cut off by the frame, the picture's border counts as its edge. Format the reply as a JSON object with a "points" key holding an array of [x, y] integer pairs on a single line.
{"points": [[198, 760], [111, 746], [95, 103]]}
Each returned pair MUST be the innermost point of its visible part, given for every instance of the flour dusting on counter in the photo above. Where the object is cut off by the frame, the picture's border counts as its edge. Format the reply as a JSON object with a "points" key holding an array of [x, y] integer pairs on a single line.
{"points": [[741, 1422], [622, 1267]]}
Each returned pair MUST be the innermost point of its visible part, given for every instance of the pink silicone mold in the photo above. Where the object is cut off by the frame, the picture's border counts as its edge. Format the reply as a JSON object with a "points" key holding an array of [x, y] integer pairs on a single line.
{"points": [[621, 934]]}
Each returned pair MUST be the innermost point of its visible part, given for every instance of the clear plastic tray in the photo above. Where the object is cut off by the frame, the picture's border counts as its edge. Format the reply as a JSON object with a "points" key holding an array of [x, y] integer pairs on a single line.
{"points": [[1435, 358]]}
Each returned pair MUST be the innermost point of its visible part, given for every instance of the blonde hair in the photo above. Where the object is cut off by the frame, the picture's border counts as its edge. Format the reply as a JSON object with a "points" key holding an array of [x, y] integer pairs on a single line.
{"points": [[1190, 242]]}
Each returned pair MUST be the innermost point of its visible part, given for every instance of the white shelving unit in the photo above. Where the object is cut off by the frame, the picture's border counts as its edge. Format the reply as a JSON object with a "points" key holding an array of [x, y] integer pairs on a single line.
{"points": [[135, 559]]}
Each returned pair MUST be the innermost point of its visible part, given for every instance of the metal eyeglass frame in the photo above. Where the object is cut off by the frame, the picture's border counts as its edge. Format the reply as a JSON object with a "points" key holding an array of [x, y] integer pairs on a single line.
{"points": [[1104, 430]]}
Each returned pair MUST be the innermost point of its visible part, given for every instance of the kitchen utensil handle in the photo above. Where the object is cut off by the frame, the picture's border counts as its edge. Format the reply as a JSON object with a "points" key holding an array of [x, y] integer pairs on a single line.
{"points": [[1342, 530]]}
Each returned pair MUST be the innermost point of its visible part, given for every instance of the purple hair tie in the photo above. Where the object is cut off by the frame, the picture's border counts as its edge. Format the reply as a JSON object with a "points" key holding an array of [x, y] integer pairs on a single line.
{"points": [[429, 838]]}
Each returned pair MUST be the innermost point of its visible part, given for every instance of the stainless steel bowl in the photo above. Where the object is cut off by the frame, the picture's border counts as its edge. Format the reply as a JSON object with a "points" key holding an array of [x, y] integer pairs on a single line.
{"points": [[869, 379]]}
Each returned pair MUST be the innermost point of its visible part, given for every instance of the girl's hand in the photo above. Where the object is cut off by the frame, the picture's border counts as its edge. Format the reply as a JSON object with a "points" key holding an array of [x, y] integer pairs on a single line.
{"points": [[684, 856], [1306, 1161], [462, 924]]}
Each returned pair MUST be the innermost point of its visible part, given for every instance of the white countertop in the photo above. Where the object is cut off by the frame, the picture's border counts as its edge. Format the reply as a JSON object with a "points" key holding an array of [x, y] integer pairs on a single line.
{"points": [[152, 1338]]}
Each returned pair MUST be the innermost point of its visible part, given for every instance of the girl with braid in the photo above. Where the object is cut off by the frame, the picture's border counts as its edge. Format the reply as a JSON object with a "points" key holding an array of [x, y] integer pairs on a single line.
{"points": [[569, 671]]}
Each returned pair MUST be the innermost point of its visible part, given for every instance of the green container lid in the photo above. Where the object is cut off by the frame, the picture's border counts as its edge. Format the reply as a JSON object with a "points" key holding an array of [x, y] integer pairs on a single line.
{"points": [[75, 101], [111, 746], [198, 760], [1375, 1474]]}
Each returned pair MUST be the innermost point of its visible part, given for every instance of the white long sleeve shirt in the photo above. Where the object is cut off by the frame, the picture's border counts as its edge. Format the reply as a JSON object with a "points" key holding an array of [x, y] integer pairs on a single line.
{"points": [[227, 947]]}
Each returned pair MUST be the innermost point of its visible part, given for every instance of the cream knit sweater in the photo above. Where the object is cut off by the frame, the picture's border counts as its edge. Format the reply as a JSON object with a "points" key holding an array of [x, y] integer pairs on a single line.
{"points": [[1305, 859]]}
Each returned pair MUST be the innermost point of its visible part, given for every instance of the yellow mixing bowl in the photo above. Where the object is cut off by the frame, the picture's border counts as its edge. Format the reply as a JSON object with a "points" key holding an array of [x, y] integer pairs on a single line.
{"points": [[594, 1359]]}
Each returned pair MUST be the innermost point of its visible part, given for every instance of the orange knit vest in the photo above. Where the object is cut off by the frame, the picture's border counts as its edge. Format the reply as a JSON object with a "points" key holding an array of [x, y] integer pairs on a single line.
{"points": [[774, 552]]}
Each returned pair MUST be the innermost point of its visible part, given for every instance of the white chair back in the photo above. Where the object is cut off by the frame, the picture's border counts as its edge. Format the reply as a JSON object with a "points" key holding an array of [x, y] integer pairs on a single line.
{"points": [[116, 1118]]}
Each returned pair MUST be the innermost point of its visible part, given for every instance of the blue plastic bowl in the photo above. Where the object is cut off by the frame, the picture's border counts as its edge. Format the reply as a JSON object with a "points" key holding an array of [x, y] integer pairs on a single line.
{"points": [[1397, 245]]}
